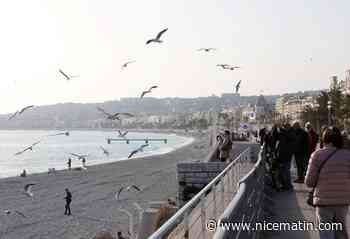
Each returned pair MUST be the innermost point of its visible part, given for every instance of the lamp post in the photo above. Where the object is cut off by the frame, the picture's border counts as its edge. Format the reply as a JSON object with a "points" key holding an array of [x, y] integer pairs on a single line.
{"points": [[329, 107]]}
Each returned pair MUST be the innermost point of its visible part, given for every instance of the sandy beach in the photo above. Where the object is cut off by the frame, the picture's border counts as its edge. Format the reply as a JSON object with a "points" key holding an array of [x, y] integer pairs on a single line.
{"points": [[94, 206]]}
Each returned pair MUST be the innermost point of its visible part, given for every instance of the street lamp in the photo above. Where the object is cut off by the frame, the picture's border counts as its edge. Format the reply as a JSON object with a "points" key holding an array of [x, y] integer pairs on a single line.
{"points": [[329, 107]]}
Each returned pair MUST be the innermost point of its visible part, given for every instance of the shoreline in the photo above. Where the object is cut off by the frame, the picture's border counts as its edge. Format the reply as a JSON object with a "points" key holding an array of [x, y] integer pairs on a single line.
{"points": [[94, 206], [188, 139]]}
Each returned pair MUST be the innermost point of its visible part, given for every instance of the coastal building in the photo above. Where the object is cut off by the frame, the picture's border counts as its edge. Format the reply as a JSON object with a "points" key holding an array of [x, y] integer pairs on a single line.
{"points": [[346, 83]]}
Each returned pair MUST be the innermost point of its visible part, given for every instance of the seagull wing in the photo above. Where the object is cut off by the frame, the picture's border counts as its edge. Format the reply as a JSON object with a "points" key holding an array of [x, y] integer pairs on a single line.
{"points": [[144, 93], [161, 33], [19, 213], [25, 108], [127, 114], [64, 74], [152, 87], [28, 187], [21, 152], [76, 155], [119, 192], [136, 187], [125, 133], [36, 143], [132, 153], [13, 115], [149, 41], [201, 49], [103, 111]]}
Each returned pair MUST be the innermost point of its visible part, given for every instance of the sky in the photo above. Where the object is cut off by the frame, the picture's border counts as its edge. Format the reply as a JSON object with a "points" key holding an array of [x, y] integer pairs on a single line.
{"points": [[271, 40]]}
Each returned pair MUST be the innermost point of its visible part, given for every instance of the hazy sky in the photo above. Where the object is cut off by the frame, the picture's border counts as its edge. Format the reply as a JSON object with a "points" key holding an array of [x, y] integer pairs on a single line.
{"points": [[272, 40]]}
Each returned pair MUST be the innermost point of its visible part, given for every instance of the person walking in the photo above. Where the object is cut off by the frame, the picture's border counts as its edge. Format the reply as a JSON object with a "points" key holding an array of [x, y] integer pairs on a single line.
{"points": [[69, 163], [68, 199], [331, 182], [313, 138], [300, 150], [284, 156], [225, 147]]}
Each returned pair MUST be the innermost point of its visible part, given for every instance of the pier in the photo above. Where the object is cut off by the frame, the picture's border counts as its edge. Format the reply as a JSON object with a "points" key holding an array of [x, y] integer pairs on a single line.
{"points": [[109, 140]]}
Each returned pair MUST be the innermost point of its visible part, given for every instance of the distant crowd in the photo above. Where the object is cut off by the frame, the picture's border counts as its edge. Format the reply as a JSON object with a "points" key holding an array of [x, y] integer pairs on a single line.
{"points": [[322, 163]]}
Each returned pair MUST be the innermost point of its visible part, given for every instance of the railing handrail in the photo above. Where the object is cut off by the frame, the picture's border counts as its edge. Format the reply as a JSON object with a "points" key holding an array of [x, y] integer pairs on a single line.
{"points": [[192, 203]]}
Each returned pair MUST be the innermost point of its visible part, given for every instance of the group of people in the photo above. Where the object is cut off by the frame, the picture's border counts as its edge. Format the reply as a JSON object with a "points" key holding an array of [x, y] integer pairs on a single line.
{"points": [[282, 143], [326, 169]]}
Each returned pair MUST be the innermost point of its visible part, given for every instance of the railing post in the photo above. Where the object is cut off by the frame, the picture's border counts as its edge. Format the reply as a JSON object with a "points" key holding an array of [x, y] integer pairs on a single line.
{"points": [[203, 217], [222, 184], [186, 222], [213, 190]]}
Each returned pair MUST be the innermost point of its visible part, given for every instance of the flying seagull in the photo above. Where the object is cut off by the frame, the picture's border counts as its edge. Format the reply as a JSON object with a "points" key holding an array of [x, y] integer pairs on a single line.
{"points": [[8, 212], [105, 151], [140, 149], [28, 148], [126, 64], [114, 116], [206, 49], [148, 91], [238, 85], [80, 156], [63, 133], [18, 112], [157, 39], [68, 77], [224, 66], [28, 189], [128, 188], [122, 134]]}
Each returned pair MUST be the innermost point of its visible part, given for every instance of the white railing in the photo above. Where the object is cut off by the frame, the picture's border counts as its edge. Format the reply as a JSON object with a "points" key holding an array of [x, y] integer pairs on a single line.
{"points": [[190, 221]]}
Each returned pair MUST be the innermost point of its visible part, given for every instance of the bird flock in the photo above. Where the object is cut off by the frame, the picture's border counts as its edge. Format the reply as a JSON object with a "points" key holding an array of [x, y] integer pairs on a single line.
{"points": [[109, 116]]}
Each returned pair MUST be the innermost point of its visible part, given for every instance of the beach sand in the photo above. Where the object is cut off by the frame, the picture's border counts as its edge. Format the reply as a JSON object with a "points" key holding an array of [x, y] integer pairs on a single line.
{"points": [[94, 206]]}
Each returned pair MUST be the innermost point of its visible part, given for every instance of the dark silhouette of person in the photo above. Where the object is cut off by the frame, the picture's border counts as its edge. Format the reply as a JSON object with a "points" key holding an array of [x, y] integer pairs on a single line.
{"points": [[69, 163], [68, 202]]}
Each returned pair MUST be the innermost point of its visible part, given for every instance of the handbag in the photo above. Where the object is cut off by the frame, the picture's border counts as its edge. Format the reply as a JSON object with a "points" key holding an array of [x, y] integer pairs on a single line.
{"points": [[310, 197]]}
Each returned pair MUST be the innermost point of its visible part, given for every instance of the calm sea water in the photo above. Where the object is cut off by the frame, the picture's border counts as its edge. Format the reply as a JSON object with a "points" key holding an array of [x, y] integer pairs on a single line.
{"points": [[53, 152]]}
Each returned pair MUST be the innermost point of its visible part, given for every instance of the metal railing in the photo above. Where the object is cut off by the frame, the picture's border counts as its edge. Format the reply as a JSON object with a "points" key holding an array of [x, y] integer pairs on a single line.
{"points": [[246, 208], [190, 221]]}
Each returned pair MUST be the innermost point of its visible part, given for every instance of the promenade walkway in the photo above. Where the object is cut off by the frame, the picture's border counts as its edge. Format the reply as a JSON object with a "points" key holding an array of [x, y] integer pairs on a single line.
{"points": [[292, 207]]}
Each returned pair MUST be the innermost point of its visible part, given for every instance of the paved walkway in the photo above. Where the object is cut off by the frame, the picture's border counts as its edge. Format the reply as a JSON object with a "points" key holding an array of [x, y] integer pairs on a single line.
{"points": [[292, 207]]}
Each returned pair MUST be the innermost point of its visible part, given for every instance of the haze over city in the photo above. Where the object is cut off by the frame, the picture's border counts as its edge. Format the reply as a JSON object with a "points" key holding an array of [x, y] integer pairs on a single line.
{"points": [[281, 46]]}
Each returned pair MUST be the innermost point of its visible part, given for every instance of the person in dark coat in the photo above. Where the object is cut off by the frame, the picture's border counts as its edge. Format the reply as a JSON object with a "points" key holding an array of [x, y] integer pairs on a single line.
{"points": [[68, 199], [284, 151], [301, 151]]}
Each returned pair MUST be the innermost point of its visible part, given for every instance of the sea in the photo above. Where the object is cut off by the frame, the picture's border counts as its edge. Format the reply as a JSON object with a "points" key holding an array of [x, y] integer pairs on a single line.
{"points": [[54, 151]]}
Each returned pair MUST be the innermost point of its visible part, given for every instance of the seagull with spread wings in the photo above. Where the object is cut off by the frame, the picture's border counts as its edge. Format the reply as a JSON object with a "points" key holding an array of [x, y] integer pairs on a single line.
{"points": [[8, 212], [28, 148], [157, 39], [115, 116], [19, 112], [128, 188], [122, 134], [126, 64], [207, 49], [68, 77], [105, 151], [28, 189], [148, 91], [140, 149]]}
